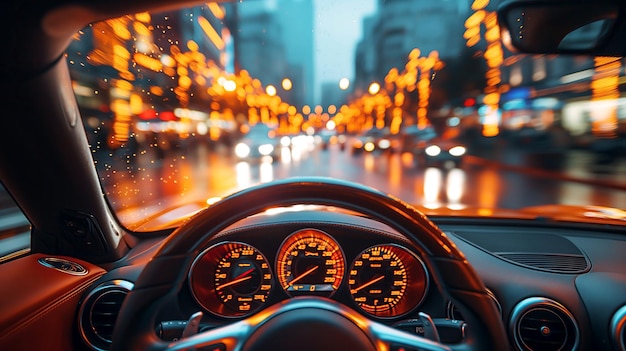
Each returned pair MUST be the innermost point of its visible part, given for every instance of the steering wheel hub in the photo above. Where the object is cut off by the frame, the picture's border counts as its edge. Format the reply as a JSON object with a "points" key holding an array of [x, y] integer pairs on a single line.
{"points": [[310, 324]]}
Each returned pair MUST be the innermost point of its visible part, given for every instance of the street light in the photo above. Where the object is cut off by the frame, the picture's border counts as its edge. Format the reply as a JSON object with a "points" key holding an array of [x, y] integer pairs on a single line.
{"points": [[270, 90], [229, 85], [494, 57], [344, 83], [286, 83], [374, 88]]}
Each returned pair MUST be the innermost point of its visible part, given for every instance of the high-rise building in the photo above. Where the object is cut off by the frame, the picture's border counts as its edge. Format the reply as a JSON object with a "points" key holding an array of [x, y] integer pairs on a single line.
{"points": [[399, 26], [296, 19], [274, 41]]}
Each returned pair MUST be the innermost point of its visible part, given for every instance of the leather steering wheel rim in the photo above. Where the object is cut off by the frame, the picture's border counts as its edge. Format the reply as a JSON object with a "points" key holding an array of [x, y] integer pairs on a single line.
{"points": [[166, 273]]}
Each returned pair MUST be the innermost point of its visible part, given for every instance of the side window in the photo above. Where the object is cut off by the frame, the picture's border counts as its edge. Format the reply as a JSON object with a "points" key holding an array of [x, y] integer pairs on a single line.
{"points": [[14, 228]]}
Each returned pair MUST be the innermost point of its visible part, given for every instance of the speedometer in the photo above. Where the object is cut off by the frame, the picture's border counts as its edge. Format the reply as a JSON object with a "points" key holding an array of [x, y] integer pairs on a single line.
{"points": [[310, 262], [231, 279], [387, 280]]}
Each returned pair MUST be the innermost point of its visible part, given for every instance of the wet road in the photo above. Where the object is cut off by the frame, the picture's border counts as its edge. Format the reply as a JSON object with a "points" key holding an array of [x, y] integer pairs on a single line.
{"points": [[479, 181], [509, 181]]}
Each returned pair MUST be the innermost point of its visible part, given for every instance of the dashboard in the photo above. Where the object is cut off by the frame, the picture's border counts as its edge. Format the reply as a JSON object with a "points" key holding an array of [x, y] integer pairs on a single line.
{"points": [[567, 293]]}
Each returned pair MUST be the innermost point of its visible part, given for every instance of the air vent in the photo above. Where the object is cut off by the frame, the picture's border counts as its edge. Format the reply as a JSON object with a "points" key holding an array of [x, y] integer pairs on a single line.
{"points": [[541, 324], [618, 329], [63, 265], [554, 263], [98, 312]]}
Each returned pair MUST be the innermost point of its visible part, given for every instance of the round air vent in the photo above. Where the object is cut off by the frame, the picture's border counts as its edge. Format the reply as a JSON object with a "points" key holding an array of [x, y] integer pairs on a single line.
{"points": [[541, 324], [98, 312], [453, 312], [618, 329]]}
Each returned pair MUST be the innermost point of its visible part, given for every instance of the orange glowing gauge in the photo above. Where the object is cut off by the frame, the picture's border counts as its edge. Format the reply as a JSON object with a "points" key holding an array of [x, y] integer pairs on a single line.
{"points": [[387, 281], [231, 279], [310, 262]]}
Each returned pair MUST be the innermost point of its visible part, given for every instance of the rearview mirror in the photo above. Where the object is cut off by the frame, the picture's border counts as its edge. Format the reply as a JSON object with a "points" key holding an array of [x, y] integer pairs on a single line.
{"points": [[562, 27]]}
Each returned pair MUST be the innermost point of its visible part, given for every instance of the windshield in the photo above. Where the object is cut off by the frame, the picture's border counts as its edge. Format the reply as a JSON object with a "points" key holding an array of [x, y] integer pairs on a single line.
{"points": [[416, 98]]}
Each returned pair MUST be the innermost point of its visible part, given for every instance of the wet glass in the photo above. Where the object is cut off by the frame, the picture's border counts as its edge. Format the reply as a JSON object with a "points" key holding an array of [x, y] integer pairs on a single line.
{"points": [[171, 103]]}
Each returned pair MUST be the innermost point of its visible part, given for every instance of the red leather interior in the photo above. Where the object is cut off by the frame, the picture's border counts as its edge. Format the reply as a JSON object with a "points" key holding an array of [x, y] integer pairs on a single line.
{"points": [[38, 304]]}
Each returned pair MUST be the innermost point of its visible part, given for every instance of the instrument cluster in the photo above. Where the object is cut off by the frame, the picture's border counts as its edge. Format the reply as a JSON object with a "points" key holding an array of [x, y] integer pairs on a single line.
{"points": [[235, 279]]}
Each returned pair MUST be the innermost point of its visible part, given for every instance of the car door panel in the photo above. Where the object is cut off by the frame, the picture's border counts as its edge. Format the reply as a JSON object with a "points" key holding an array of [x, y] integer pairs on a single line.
{"points": [[39, 295]]}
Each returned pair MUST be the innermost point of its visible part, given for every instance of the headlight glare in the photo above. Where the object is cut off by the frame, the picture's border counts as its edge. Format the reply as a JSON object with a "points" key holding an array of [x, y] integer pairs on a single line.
{"points": [[433, 150], [457, 151], [266, 149], [242, 150]]}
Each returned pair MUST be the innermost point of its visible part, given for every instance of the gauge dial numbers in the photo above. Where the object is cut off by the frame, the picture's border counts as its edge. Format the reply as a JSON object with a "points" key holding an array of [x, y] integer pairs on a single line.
{"points": [[310, 262], [387, 281], [231, 279]]}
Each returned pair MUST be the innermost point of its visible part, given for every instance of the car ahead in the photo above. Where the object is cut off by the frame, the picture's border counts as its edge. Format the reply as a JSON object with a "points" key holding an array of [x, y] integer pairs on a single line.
{"points": [[327, 137], [410, 137], [134, 246], [259, 141], [440, 151], [370, 140]]}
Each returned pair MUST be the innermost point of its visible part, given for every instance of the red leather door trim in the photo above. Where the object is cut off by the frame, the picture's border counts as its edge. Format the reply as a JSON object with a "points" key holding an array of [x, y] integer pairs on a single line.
{"points": [[38, 304]]}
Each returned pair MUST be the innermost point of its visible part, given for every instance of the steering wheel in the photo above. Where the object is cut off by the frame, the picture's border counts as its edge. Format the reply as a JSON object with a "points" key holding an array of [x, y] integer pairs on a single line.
{"points": [[308, 323]]}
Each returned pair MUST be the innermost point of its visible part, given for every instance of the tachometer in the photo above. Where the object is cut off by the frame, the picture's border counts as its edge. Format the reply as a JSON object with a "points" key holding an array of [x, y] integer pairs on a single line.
{"points": [[231, 279], [387, 280], [310, 262]]}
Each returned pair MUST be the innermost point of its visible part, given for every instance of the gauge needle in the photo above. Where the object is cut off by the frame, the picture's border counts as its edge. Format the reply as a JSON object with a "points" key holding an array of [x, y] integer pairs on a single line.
{"points": [[309, 271], [368, 284], [238, 279]]}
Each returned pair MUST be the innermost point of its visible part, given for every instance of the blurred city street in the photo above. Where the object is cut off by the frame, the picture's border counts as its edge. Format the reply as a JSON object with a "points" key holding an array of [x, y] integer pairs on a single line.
{"points": [[493, 176], [574, 164]]}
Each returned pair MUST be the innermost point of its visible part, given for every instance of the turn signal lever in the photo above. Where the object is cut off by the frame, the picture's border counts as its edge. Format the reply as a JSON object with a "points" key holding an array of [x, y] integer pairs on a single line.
{"points": [[176, 330], [429, 327], [447, 331], [193, 324]]}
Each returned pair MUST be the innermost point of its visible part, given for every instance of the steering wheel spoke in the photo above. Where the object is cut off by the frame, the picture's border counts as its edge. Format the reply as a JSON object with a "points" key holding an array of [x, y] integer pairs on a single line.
{"points": [[284, 324]]}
